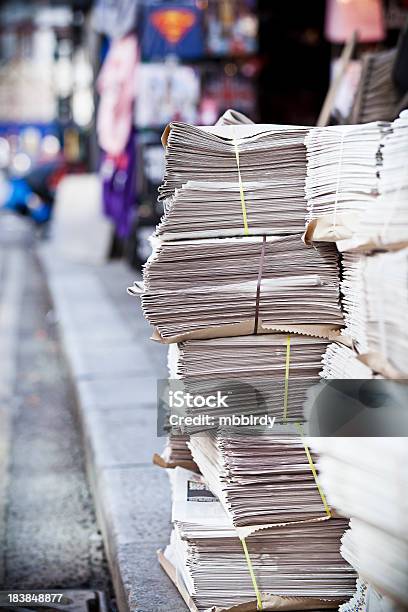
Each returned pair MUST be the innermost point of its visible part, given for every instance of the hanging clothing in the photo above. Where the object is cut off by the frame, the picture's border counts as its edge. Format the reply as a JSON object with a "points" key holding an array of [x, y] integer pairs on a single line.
{"points": [[172, 28], [116, 85], [115, 18], [118, 175]]}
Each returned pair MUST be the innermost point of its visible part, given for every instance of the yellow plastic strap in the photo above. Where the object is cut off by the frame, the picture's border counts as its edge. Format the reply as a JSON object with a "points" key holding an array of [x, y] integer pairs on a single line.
{"points": [[241, 186], [252, 574], [314, 471], [287, 366]]}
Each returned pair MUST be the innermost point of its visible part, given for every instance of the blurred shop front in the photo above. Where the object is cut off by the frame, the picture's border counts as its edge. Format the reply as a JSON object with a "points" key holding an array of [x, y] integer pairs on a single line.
{"points": [[46, 103], [88, 87]]}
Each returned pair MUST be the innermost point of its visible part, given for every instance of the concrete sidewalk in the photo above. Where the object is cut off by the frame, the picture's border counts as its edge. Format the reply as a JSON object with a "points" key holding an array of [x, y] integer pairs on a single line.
{"points": [[114, 367], [11, 269]]}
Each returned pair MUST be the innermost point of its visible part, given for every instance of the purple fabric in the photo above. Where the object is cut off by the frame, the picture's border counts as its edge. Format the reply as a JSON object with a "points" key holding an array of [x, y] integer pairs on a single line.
{"points": [[119, 187]]}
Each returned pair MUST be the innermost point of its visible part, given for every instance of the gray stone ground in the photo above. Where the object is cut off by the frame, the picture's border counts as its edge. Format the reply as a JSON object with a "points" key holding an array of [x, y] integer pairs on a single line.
{"points": [[114, 367], [48, 532], [78, 385]]}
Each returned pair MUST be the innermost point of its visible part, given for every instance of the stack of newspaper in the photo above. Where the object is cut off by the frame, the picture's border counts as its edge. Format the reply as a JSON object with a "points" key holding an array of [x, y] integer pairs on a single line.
{"points": [[176, 453], [246, 283], [260, 479], [381, 557], [376, 97], [291, 561], [259, 153], [212, 172], [229, 269], [205, 209], [366, 479], [251, 370], [342, 177]]}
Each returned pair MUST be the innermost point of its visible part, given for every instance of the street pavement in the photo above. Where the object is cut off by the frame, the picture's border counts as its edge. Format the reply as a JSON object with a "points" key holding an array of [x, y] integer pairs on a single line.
{"points": [[78, 393], [114, 368], [49, 537]]}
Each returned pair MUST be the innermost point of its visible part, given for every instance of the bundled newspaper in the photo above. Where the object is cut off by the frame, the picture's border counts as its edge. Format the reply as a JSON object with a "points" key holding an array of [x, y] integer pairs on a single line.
{"points": [[219, 192], [239, 286], [260, 479], [297, 566], [252, 371], [380, 557], [232, 180], [205, 209]]}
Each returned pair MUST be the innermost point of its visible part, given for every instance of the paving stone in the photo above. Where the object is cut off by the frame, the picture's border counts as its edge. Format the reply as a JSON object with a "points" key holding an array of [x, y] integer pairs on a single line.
{"points": [[157, 593], [50, 522], [81, 286], [12, 266], [92, 321], [122, 436], [121, 391], [108, 362], [90, 336], [116, 367], [136, 504]]}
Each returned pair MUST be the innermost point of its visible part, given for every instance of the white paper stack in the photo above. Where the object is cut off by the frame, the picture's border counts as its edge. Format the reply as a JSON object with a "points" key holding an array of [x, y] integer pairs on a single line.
{"points": [[197, 285], [353, 299], [260, 479], [375, 301], [394, 171], [366, 479], [386, 297], [385, 224], [252, 369], [341, 362], [380, 557], [294, 560], [342, 176]]}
